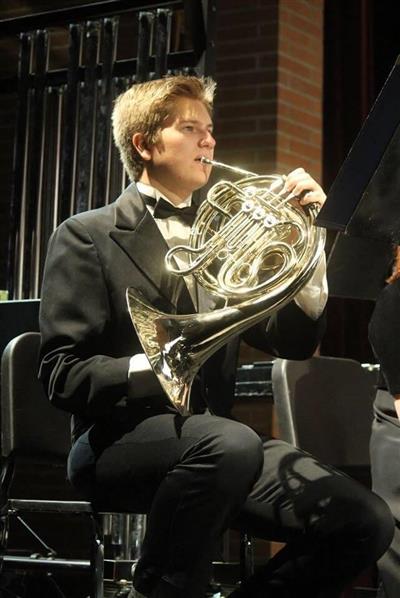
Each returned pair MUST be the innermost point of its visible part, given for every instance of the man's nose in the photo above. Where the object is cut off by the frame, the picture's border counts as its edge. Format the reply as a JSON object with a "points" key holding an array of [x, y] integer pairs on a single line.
{"points": [[208, 140]]}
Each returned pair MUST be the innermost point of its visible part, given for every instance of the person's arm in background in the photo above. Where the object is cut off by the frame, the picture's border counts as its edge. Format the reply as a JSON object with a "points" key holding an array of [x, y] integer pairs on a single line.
{"points": [[384, 336]]}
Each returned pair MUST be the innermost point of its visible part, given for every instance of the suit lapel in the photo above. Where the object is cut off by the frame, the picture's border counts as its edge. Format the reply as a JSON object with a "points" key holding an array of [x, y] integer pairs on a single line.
{"points": [[139, 237]]}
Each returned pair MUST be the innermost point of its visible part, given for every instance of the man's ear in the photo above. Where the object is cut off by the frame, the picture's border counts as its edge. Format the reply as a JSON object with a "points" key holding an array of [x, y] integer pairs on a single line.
{"points": [[140, 146]]}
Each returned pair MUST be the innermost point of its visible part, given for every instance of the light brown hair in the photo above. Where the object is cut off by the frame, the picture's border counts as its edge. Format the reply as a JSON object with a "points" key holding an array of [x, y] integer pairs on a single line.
{"points": [[145, 108]]}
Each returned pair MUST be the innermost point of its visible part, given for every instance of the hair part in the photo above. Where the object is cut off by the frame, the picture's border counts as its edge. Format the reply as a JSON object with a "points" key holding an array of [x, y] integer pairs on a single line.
{"points": [[146, 107]]}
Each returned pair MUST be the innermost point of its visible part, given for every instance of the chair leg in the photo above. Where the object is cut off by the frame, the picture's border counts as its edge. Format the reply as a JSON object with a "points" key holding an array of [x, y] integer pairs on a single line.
{"points": [[97, 559], [4, 528], [6, 475], [246, 556]]}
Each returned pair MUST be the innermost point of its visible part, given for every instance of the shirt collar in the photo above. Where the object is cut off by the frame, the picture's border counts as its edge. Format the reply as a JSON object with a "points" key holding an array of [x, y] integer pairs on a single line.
{"points": [[156, 194]]}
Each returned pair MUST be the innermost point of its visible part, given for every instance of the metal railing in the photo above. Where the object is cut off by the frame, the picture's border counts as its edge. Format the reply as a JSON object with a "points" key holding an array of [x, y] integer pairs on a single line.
{"points": [[64, 158]]}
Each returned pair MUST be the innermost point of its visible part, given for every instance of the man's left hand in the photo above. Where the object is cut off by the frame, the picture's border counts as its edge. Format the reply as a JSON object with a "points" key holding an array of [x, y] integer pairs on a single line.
{"points": [[304, 188]]}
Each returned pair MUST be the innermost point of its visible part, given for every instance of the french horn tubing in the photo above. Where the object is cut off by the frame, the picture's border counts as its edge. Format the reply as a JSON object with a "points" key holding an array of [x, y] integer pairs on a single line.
{"points": [[251, 245]]}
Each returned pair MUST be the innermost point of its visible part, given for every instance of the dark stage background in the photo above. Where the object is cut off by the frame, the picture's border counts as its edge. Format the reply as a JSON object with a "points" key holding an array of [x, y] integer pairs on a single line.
{"points": [[356, 65]]}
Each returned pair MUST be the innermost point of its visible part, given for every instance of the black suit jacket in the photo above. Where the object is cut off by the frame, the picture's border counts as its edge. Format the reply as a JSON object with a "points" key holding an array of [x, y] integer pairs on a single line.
{"points": [[87, 335]]}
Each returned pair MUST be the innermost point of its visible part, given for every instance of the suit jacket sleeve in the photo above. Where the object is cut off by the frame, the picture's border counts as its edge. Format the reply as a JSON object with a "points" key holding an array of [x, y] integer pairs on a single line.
{"points": [[76, 367]]}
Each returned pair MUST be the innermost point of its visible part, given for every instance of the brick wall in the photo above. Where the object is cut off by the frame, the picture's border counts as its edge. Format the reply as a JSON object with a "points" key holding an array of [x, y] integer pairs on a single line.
{"points": [[269, 73], [246, 68], [299, 80]]}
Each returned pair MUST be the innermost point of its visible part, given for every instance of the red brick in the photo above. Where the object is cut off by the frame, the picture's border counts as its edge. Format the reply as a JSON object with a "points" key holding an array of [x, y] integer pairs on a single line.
{"points": [[302, 148], [245, 109], [234, 64], [301, 38], [245, 46], [247, 12], [246, 156], [313, 136], [253, 139], [268, 30], [295, 113], [252, 79], [227, 127], [310, 59], [294, 159], [289, 80], [267, 123], [266, 92], [306, 102], [239, 94], [238, 32], [295, 19], [295, 66], [287, 162]]}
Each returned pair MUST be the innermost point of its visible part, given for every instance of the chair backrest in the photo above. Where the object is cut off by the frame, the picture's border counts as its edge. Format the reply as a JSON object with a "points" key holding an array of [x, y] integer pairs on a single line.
{"points": [[324, 406], [29, 423]]}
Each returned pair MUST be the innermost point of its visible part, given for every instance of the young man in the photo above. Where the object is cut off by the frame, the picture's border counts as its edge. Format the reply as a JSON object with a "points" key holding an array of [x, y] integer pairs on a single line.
{"points": [[196, 475]]}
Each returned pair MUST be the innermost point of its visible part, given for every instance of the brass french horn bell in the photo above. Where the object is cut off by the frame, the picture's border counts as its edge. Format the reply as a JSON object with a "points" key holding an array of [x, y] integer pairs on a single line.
{"points": [[250, 245]]}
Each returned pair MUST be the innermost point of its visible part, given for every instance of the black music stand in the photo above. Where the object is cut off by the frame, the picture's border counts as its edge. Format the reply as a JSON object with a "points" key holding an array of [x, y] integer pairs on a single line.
{"points": [[364, 201]]}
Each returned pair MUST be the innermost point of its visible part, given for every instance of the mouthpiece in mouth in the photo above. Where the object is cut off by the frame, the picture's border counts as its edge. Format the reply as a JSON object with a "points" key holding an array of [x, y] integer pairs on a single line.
{"points": [[234, 169]]}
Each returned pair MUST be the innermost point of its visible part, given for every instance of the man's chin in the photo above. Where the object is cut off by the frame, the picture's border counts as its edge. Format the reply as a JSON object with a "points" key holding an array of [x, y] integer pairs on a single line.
{"points": [[199, 184], [206, 176]]}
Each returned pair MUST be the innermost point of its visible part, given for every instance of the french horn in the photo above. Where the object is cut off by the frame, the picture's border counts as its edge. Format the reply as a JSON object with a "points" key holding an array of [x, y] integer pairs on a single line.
{"points": [[250, 244]]}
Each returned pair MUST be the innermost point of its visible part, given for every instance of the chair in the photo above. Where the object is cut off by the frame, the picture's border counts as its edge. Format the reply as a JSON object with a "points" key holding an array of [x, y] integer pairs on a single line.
{"points": [[323, 405], [33, 460], [35, 441]]}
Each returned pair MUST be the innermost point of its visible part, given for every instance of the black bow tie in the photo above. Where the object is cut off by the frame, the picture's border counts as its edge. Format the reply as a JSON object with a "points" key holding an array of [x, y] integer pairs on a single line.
{"points": [[165, 209]]}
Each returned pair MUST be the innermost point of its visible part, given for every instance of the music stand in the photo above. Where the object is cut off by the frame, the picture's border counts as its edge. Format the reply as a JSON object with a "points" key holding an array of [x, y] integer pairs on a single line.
{"points": [[364, 201]]}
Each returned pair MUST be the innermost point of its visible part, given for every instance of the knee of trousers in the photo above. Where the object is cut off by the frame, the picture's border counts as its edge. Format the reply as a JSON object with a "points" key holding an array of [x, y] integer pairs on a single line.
{"points": [[366, 523], [239, 457], [379, 522]]}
